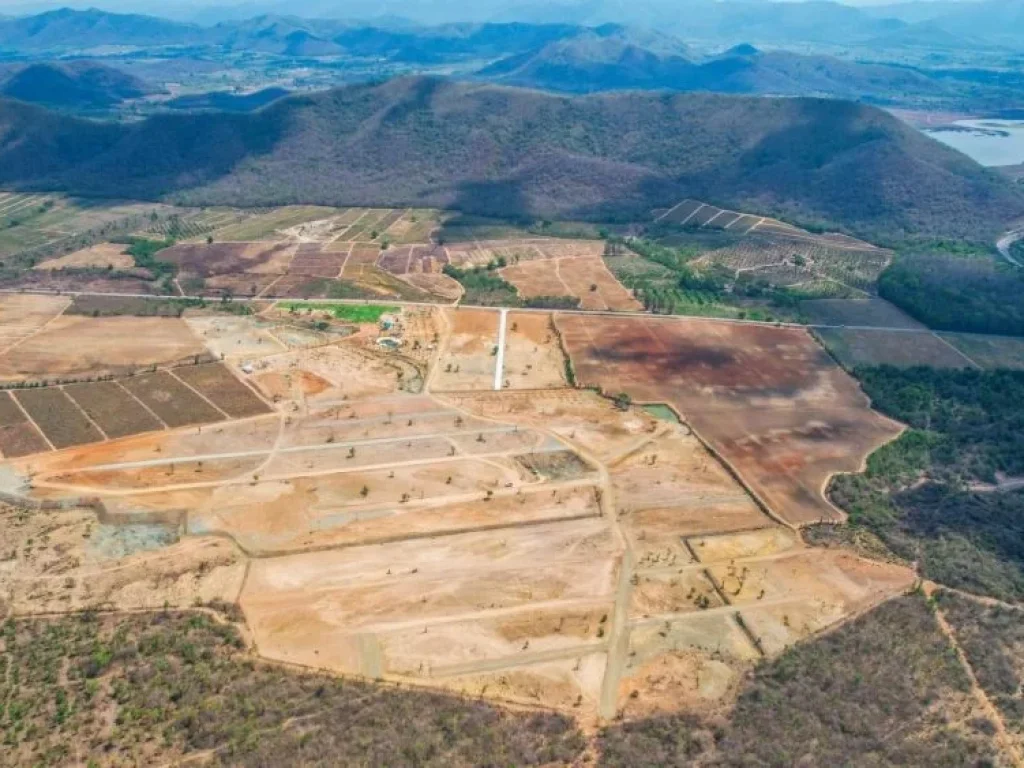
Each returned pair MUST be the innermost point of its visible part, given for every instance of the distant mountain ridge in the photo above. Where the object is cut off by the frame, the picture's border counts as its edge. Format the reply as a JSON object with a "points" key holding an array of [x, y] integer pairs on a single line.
{"points": [[275, 28], [589, 63], [504, 151]]}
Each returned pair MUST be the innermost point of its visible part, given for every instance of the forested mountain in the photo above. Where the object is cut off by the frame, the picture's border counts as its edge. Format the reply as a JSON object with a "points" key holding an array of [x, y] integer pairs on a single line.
{"points": [[588, 63], [506, 151], [79, 84], [66, 28]]}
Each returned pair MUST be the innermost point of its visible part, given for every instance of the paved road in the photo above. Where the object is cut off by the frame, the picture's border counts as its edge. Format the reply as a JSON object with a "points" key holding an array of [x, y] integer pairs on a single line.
{"points": [[399, 303], [499, 363]]}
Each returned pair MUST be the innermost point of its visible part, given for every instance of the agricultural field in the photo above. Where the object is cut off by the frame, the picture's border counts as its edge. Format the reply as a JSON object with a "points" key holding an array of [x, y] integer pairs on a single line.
{"points": [[757, 247], [768, 399], [853, 347], [76, 347], [866, 313], [19, 436], [99, 256], [584, 278], [270, 224], [795, 263], [36, 227], [394, 515], [989, 352]]}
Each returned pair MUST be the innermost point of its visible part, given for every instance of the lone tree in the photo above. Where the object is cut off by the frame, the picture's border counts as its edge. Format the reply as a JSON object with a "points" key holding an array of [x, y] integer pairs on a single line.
{"points": [[623, 401]]}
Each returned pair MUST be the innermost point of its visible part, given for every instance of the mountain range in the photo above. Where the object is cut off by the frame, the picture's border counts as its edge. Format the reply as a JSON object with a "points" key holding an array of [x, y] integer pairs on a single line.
{"points": [[510, 29], [932, 24], [588, 62], [424, 141]]}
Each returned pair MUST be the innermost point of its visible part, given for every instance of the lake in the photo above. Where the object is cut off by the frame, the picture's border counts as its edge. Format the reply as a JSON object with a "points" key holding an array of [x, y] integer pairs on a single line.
{"points": [[990, 142]]}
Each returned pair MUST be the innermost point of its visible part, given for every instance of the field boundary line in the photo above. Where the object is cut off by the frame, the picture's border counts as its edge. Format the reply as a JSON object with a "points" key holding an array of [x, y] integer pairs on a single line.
{"points": [[962, 354], [692, 214], [90, 419], [36, 331], [30, 420], [727, 465], [502, 663], [203, 397], [149, 410], [266, 554]]}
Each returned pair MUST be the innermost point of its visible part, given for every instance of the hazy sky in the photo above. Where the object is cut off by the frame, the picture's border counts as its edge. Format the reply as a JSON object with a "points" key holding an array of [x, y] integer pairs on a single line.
{"points": [[359, 7]]}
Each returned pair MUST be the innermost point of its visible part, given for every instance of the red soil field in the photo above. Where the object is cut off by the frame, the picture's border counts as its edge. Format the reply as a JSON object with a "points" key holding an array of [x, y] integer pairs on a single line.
{"points": [[768, 399]]}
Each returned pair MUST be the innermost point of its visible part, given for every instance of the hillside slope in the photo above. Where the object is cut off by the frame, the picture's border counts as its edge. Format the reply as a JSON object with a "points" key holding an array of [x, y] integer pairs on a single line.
{"points": [[81, 84], [505, 151]]}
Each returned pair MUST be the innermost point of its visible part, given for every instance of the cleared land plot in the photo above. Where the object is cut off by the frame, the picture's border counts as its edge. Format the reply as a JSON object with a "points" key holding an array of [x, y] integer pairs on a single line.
{"points": [[101, 256], [415, 226], [989, 351], [585, 278], [58, 417], [234, 337], [23, 315], [92, 345], [468, 358], [874, 313], [769, 399], [210, 259], [310, 259], [18, 436], [332, 608], [220, 386], [172, 401], [854, 347], [533, 355], [113, 408]]}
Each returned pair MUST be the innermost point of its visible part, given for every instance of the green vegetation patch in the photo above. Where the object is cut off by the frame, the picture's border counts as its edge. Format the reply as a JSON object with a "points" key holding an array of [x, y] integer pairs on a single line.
{"points": [[952, 293], [662, 412], [147, 689], [883, 690], [932, 495], [483, 286], [352, 313]]}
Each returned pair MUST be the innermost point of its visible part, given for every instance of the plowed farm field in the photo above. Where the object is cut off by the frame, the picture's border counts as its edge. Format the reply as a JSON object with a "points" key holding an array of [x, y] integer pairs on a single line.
{"points": [[769, 399]]}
